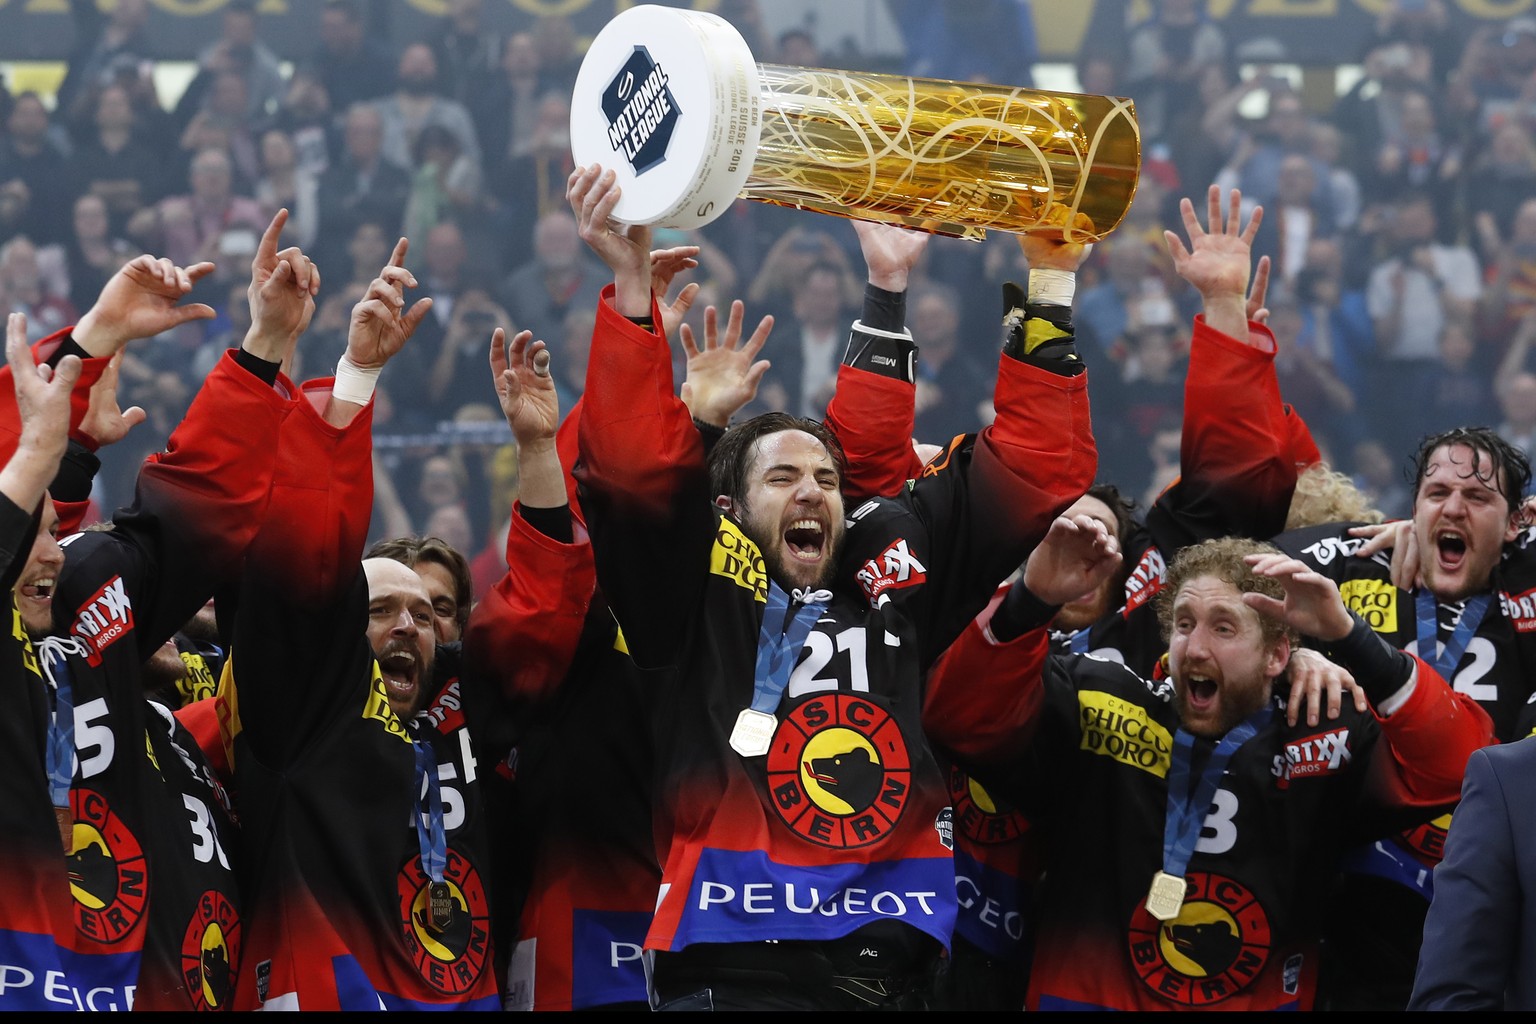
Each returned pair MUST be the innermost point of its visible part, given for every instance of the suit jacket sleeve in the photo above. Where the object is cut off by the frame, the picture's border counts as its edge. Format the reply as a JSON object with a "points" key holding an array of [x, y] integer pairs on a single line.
{"points": [[1471, 934]]}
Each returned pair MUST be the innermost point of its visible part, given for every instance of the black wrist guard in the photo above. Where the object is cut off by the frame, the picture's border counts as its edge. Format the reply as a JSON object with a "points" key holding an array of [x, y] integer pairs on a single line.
{"points": [[883, 352], [1039, 334], [1379, 668]]}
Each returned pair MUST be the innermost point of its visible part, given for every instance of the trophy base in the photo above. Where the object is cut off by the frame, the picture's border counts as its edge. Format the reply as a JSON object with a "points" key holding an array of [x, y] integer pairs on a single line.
{"points": [[669, 100]]}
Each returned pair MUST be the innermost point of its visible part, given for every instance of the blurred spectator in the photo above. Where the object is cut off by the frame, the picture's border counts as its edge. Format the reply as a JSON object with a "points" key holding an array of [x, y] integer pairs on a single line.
{"points": [[1517, 409], [362, 185], [211, 222], [807, 344], [1372, 109], [531, 182], [283, 183], [114, 164], [467, 49], [1498, 72], [1412, 294], [1378, 474], [569, 362], [1510, 270], [1134, 294], [1166, 55], [368, 249], [560, 51], [1298, 215], [23, 290], [796, 47], [1148, 399], [238, 51], [746, 17], [1498, 181], [1336, 323], [354, 64], [30, 155], [559, 275], [226, 333], [954, 374], [783, 271], [1339, 181], [93, 253], [456, 372], [445, 186], [415, 104], [506, 108], [219, 119], [1417, 156], [1284, 131], [305, 115], [969, 41], [1458, 390], [439, 264], [1425, 23], [103, 41]]}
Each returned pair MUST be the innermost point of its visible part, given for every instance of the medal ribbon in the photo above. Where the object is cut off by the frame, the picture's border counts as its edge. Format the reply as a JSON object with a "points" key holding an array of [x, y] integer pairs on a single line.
{"points": [[429, 814], [1187, 804], [776, 654], [61, 726], [1428, 614]]}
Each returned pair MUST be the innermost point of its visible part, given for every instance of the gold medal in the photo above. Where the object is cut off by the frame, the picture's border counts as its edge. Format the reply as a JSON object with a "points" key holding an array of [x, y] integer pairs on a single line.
{"points": [[753, 732], [439, 906], [1166, 897]]}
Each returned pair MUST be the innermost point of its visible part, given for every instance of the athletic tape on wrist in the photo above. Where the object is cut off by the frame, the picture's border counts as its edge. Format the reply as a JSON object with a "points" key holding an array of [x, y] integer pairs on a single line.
{"points": [[1052, 287], [354, 383]]}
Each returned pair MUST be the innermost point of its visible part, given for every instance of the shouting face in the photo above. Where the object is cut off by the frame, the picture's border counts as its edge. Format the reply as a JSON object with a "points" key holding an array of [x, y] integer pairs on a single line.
{"points": [[1461, 521], [400, 631], [1221, 662], [792, 509]]}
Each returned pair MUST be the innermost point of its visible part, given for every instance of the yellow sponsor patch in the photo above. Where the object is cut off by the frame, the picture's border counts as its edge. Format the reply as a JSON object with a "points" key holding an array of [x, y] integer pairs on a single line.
{"points": [[226, 705], [1375, 601], [19, 633], [1118, 729], [378, 707], [738, 559], [196, 681]]}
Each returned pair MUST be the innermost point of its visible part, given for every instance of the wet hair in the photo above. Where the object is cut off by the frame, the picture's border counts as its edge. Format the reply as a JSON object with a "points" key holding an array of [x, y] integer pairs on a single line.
{"points": [[1124, 509], [1494, 460], [1325, 495], [730, 461], [1223, 559], [410, 550]]}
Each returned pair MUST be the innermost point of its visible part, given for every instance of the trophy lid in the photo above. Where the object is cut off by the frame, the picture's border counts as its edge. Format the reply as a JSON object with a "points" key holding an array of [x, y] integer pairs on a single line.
{"points": [[668, 99]]}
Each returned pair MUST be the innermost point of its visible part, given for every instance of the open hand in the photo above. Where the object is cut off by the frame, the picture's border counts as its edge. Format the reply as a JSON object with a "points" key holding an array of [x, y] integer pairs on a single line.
{"points": [[724, 375], [381, 325], [140, 301], [524, 387]]}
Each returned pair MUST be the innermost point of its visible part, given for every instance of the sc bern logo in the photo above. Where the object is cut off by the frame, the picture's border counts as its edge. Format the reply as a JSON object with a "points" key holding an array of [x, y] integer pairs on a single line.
{"points": [[210, 952], [978, 816], [839, 771], [106, 870], [641, 111], [452, 960], [1214, 949]]}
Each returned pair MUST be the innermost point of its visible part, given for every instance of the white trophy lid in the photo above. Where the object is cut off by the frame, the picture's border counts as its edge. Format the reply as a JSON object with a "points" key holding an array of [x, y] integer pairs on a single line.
{"points": [[668, 99]]}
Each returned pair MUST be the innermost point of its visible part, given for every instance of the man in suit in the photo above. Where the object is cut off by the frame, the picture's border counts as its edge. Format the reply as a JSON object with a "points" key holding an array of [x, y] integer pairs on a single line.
{"points": [[1479, 950]]}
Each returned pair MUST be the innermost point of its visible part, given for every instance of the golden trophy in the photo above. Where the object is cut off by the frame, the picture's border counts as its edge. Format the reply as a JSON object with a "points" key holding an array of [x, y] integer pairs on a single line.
{"points": [[672, 100]]}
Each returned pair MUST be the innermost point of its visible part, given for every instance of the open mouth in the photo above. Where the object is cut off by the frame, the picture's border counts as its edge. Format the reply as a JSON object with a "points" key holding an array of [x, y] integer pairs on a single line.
{"points": [[39, 590], [1452, 549], [1201, 692], [805, 539], [398, 669]]}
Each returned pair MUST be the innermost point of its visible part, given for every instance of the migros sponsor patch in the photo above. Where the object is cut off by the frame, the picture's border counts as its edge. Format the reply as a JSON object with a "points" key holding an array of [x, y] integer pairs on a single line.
{"points": [[1375, 601], [1520, 609], [1326, 753], [739, 560], [104, 619], [1121, 730], [894, 567], [1145, 580]]}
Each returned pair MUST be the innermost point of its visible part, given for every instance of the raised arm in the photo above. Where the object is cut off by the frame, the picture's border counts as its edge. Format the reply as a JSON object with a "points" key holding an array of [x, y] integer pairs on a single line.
{"points": [[872, 410]]}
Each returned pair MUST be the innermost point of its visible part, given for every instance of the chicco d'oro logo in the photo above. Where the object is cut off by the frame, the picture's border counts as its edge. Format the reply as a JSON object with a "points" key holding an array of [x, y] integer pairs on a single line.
{"points": [[106, 871], [979, 817], [210, 952], [453, 959], [641, 111], [1214, 949], [839, 771]]}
